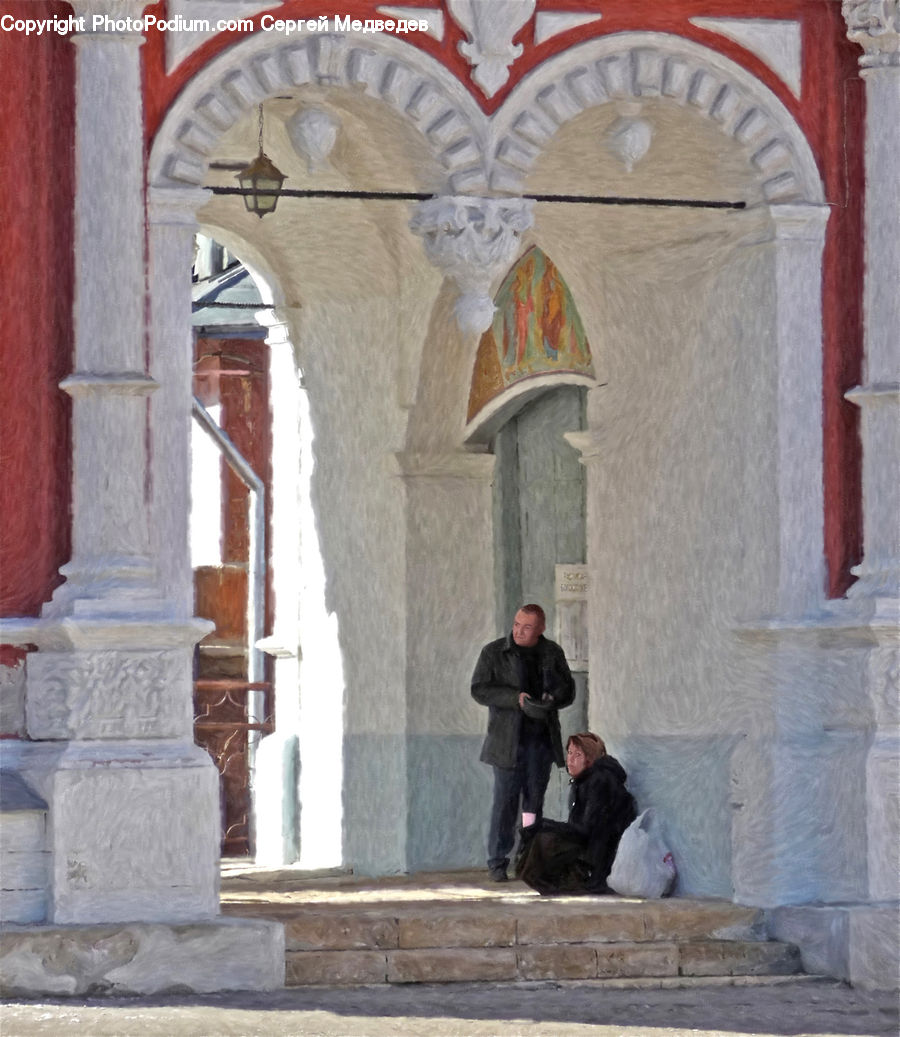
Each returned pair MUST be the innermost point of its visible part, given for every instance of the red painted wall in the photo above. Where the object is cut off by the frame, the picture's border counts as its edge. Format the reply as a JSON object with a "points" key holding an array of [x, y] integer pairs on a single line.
{"points": [[36, 140], [36, 192]]}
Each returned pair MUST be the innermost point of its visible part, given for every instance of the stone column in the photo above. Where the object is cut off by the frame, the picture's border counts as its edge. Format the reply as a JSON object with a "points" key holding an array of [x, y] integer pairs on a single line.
{"points": [[276, 805], [472, 240], [449, 551], [172, 224], [109, 386], [875, 25], [786, 764], [132, 803], [799, 239]]}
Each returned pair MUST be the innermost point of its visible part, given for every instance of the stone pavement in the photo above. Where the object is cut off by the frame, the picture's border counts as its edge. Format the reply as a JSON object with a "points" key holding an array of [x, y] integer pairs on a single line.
{"points": [[783, 1006], [777, 1006]]}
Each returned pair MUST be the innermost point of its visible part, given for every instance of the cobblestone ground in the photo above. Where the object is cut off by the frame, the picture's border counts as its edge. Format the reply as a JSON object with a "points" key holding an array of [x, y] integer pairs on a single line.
{"points": [[473, 1010]]}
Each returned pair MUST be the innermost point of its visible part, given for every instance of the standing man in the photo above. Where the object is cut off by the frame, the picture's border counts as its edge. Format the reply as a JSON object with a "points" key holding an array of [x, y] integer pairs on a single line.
{"points": [[524, 680]]}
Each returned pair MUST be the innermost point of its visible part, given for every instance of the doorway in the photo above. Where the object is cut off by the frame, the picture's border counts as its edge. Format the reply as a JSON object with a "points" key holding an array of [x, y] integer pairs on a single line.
{"points": [[539, 523], [539, 501], [229, 530]]}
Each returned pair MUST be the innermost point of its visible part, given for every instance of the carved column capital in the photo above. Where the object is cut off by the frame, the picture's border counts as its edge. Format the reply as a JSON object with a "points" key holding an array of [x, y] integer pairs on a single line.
{"points": [[118, 16], [875, 26], [472, 240]]}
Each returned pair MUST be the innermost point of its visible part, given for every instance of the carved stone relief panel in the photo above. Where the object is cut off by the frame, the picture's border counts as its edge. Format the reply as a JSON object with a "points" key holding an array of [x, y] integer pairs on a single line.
{"points": [[108, 694]]}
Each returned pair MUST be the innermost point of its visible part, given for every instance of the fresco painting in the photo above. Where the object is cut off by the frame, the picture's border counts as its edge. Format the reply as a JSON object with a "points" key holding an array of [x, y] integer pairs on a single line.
{"points": [[536, 330]]}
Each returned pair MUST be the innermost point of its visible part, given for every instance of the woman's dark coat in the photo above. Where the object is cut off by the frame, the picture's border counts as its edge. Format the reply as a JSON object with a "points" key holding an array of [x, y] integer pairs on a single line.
{"points": [[576, 856]]}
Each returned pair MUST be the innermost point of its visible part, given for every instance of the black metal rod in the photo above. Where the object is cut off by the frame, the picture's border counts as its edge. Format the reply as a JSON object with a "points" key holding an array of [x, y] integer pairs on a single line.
{"points": [[402, 196], [581, 199], [233, 305], [565, 199]]}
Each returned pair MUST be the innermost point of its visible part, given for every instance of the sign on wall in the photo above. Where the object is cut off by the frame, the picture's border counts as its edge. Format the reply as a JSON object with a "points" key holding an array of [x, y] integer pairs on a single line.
{"points": [[571, 613]]}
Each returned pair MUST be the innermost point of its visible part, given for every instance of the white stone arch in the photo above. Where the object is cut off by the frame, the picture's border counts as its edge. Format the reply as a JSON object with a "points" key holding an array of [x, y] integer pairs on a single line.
{"points": [[407, 80], [254, 261], [488, 421], [634, 65]]}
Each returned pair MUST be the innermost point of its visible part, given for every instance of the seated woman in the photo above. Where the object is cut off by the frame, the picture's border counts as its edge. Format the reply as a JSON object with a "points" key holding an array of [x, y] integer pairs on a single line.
{"points": [[576, 856]]}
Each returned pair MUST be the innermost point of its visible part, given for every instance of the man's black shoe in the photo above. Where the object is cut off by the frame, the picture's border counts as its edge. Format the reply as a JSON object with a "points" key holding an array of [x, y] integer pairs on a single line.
{"points": [[498, 874]]}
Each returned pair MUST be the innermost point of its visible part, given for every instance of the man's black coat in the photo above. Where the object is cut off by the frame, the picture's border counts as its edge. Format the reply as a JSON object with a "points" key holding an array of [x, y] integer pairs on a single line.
{"points": [[496, 684]]}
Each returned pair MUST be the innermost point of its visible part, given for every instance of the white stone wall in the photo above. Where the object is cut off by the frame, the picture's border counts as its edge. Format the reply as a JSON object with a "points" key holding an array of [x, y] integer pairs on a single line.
{"points": [[355, 420], [449, 594], [682, 529]]}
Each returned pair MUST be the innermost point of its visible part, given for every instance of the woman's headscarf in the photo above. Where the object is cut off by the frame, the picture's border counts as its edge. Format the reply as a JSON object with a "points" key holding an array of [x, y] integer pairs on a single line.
{"points": [[590, 744]]}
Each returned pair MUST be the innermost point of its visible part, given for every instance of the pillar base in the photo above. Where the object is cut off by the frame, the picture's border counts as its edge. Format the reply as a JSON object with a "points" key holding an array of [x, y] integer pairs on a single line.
{"points": [[138, 958], [859, 943], [132, 830]]}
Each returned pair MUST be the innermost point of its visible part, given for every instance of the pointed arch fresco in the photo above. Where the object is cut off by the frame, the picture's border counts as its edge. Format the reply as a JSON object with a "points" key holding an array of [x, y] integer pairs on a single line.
{"points": [[537, 330]]}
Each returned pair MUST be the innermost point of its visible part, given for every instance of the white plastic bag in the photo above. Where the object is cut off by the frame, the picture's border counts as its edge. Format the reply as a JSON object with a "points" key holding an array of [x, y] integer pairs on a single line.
{"points": [[643, 866]]}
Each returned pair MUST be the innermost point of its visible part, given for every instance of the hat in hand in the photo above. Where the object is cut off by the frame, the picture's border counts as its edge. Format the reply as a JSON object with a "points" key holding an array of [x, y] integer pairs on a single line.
{"points": [[536, 710]]}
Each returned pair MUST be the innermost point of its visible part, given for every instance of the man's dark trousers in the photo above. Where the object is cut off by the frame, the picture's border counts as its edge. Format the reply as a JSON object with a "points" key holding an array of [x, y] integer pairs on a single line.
{"points": [[528, 780]]}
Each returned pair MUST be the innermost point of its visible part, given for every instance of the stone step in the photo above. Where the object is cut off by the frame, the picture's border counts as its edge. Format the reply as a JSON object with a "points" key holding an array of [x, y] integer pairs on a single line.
{"points": [[503, 923], [460, 931], [558, 961]]}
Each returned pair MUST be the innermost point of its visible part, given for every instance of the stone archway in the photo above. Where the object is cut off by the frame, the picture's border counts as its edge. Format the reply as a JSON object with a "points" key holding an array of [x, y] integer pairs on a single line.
{"points": [[632, 66], [633, 550], [442, 484], [405, 79], [415, 89]]}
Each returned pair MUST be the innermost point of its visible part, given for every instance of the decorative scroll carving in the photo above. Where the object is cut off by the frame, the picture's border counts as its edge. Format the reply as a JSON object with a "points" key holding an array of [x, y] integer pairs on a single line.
{"points": [[875, 26], [106, 694], [491, 29], [618, 68], [472, 240]]}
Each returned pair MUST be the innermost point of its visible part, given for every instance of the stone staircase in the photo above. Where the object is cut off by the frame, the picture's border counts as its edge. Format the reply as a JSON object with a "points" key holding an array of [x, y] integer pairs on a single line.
{"points": [[457, 927]]}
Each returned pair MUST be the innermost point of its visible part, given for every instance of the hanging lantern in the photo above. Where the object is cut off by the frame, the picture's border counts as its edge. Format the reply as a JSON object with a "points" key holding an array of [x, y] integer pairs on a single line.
{"points": [[261, 180]]}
